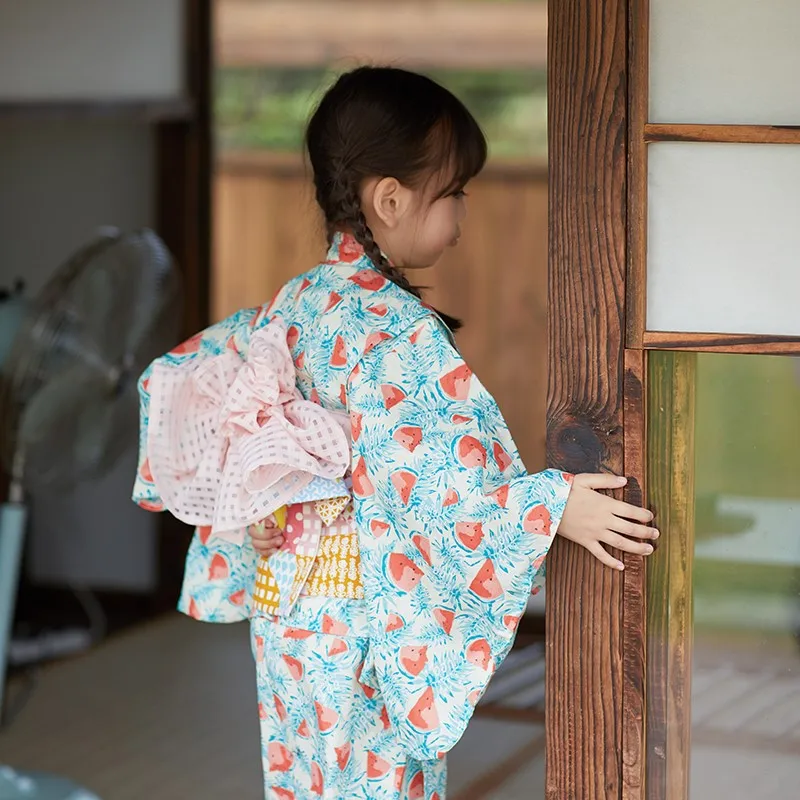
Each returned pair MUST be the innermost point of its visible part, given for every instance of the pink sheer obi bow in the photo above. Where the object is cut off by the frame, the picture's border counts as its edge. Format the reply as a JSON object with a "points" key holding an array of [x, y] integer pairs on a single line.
{"points": [[231, 440]]}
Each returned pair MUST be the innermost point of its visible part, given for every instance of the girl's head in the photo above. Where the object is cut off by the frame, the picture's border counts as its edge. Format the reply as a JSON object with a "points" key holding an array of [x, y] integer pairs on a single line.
{"points": [[391, 153]]}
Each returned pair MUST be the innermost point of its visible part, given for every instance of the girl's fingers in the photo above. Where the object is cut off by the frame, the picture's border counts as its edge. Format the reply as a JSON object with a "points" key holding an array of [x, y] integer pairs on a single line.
{"points": [[600, 480], [628, 528], [628, 511], [627, 545], [602, 555]]}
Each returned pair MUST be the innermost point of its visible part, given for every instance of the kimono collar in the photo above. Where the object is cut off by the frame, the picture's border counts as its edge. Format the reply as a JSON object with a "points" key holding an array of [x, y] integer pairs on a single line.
{"points": [[345, 249]]}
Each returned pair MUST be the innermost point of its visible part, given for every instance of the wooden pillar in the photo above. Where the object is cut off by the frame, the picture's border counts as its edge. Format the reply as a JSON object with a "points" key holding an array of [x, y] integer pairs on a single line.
{"points": [[587, 70]]}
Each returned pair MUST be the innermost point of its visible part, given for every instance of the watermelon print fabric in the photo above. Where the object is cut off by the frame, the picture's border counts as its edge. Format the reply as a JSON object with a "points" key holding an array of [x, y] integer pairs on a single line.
{"points": [[452, 533], [323, 732]]}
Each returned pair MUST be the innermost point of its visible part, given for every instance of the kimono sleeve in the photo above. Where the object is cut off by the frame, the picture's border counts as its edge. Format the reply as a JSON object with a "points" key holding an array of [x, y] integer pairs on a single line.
{"points": [[453, 532]]}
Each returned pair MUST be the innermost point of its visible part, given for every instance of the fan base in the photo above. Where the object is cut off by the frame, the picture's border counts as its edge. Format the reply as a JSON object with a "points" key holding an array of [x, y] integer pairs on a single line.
{"points": [[39, 786]]}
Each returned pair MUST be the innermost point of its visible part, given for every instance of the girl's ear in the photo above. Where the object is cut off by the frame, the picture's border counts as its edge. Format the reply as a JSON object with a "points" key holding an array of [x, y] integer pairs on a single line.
{"points": [[389, 201]]}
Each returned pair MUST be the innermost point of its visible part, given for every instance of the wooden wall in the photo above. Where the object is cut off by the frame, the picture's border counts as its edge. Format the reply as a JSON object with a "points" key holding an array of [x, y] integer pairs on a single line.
{"points": [[267, 231]]}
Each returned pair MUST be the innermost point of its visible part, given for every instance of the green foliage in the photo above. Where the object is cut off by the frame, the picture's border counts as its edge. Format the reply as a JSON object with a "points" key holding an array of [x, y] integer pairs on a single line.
{"points": [[266, 108]]}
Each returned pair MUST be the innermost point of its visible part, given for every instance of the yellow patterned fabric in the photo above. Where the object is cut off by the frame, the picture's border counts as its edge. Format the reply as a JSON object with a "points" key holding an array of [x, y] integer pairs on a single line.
{"points": [[329, 510], [321, 546], [337, 569]]}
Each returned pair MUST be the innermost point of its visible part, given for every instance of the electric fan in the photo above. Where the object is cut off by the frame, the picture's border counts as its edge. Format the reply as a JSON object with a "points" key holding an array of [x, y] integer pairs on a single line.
{"points": [[68, 397]]}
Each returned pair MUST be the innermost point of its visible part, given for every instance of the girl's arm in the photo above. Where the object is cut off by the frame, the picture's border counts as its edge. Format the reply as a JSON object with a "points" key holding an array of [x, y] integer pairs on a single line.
{"points": [[454, 531]]}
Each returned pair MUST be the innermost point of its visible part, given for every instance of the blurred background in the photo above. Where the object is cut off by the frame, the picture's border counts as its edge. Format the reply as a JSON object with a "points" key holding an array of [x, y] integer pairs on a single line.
{"points": [[152, 181]]}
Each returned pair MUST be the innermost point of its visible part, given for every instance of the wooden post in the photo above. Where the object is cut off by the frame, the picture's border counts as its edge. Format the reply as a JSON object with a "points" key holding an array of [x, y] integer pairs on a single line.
{"points": [[588, 152], [671, 415]]}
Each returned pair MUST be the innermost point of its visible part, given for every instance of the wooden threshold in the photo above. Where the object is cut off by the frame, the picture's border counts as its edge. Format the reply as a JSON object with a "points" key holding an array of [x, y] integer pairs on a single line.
{"points": [[753, 344], [729, 134], [141, 110]]}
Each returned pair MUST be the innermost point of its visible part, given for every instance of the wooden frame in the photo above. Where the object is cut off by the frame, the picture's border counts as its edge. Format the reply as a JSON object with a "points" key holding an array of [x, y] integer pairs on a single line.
{"points": [[588, 229], [642, 133], [670, 411], [609, 733], [183, 191]]}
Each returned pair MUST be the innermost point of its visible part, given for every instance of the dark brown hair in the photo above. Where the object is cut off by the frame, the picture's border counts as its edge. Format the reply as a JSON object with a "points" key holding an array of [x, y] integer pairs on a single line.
{"points": [[388, 122]]}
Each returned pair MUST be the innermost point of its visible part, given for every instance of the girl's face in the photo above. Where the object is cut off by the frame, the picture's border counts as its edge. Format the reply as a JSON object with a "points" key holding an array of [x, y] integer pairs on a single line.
{"points": [[435, 226], [413, 226]]}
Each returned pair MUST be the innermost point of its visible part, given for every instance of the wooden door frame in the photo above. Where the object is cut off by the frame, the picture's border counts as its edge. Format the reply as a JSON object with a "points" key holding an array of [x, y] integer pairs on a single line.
{"points": [[598, 357], [184, 222], [595, 616]]}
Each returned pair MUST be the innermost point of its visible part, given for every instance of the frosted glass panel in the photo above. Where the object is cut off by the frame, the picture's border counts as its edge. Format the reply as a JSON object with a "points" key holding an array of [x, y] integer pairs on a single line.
{"points": [[91, 49], [725, 61], [724, 238]]}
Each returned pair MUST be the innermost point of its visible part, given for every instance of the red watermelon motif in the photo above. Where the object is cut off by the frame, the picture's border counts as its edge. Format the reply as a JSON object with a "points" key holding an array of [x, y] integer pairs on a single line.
{"points": [[486, 584], [409, 437], [219, 569], [500, 496], [333, 300], [292, 336], [471, 453], [343, 755], [501, 457], [424, 715], [326, 717], [362, 486], [413, 659], [479, 653], [404, 483], [368, 279], [470, 534], [403, 572], [339, 356], [294, 666], [423, 544], [451, 498], [392, 396], [377, 767], [456, 384], [279, 757], [394, 622], [317, 782], [356, 423], [537, 521], [445, 618]]}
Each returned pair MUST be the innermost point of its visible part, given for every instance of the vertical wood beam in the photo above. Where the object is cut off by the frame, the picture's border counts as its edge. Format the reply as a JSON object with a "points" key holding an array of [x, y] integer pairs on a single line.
{"points": [[587, 71]]}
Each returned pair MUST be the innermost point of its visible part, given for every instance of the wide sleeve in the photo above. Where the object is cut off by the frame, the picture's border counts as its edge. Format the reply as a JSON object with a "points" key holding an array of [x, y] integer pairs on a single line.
{"points": [[453, 532]]}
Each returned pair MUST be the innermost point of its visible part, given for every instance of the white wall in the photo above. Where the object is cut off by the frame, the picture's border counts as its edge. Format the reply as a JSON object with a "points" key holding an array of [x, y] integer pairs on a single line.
{"points": [[59, 182], [96, 49]]}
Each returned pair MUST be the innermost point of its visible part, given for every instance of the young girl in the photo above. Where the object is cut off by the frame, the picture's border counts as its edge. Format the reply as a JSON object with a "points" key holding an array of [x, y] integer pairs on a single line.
{"points": [[382, 610]]}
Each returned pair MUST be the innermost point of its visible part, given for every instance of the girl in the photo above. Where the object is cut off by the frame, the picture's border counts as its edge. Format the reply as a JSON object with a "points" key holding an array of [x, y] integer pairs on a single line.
{"points": [[404, 591]]}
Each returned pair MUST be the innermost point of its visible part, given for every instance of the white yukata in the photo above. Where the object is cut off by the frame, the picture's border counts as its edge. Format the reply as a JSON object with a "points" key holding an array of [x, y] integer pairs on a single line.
{"points": [[378, 625]]}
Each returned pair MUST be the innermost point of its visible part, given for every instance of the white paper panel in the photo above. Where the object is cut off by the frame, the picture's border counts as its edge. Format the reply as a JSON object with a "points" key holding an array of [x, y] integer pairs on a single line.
{"points": [[725, 61], [724, 238], [91, 49]]}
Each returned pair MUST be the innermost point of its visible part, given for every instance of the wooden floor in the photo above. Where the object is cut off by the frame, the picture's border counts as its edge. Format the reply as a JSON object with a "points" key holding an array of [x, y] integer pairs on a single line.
{"points": [[168, 712]]}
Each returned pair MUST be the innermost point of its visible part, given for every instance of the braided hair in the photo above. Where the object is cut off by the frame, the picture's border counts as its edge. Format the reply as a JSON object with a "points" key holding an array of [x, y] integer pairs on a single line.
{"points": [[388, 122]]}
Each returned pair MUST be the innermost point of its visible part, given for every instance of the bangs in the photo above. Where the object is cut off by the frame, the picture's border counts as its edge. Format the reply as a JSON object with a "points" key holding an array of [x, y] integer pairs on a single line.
{"points": [[457, 144]]}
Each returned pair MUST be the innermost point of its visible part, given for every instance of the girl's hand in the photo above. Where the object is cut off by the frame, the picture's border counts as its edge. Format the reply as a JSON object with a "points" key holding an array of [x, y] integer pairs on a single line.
{"points": [[267, 537], [592, 519]]}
